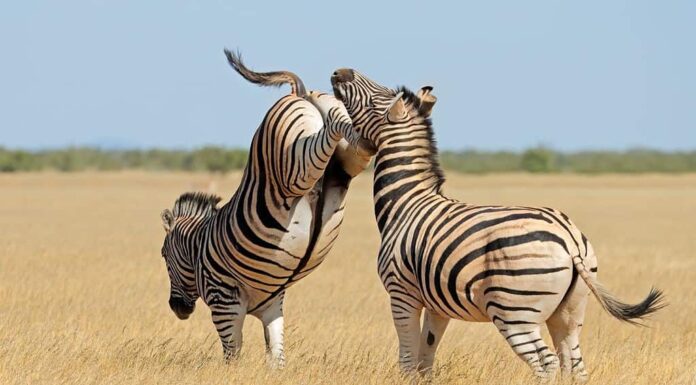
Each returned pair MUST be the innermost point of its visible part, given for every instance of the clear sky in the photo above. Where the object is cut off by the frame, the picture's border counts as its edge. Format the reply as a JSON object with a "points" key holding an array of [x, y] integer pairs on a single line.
{"points": [[508, 74]]}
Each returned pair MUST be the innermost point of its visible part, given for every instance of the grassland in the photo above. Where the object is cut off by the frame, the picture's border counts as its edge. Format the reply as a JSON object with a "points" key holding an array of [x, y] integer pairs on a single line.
{"points": [[83, 289]]}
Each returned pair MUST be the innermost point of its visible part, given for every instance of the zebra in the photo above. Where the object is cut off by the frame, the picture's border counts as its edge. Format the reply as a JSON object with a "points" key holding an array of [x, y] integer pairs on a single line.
{"points": [[516, 267], [279, 225]]}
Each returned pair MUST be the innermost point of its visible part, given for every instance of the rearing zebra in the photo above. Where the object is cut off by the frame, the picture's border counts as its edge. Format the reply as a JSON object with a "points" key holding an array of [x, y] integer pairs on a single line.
{"points": [[278, 226], [517, 267]]}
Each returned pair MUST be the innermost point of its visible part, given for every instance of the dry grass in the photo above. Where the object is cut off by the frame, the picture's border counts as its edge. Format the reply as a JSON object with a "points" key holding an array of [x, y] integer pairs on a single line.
{"points": [[83, 290]]}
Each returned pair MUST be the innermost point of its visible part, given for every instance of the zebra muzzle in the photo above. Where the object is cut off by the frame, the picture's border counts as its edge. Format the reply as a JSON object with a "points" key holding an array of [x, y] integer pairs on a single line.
{"points": [[342, 75], [181, 308]]}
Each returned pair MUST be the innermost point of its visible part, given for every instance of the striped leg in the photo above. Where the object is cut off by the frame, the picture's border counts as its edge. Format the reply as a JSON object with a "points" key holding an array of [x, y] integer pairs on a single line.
{"points": [[571, 357], [228, 322], [407, 322], [228, 309], [526, 341], [272, 319], [565, 325], [434, 326]]}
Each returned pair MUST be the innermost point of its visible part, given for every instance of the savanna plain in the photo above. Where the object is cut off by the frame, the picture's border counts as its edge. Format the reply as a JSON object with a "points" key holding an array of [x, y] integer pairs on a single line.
{"points": [[84, 290]]}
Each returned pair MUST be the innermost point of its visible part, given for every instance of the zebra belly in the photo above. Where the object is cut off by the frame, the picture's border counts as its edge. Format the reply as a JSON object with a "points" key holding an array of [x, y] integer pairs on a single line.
{"points": [[332, 218], [299, 231], [334, 187], [311, 235]]}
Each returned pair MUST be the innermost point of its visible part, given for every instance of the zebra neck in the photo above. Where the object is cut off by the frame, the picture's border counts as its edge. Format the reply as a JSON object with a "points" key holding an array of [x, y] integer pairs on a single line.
{"points": [[198, 238], [406, 171]]}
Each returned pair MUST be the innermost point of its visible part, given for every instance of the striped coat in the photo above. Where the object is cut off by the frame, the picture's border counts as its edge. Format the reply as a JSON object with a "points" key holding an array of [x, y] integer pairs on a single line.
{"points": [[517, 267], [278, 226]]}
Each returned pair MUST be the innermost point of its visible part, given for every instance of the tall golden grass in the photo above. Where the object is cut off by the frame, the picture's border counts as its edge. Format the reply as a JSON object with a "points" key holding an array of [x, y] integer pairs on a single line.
{"points": [[83, 289]]}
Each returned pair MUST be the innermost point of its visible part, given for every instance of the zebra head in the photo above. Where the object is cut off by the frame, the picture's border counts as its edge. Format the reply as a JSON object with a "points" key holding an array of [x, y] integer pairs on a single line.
{"points": [[182, 247], [373, 107]]}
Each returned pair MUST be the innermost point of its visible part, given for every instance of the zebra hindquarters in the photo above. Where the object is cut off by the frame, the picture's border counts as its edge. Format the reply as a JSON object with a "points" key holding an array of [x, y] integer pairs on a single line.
{"points": [[519, 295], [523, 284]]}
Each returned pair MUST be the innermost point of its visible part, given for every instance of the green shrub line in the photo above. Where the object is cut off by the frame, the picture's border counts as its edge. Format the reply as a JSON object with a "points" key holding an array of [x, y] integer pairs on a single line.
{"points": [[222, 160], [545, 160]]}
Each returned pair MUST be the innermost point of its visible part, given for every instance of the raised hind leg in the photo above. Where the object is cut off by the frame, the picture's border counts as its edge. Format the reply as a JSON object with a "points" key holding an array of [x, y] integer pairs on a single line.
{"points": [[565, 325], [434, 326], [525, 340]]}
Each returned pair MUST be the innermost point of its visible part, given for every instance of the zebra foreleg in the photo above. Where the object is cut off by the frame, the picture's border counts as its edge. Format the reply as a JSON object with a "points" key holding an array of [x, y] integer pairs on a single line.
{"points": [[228, 309], [407, 322], [434, 326], [272, 319]]}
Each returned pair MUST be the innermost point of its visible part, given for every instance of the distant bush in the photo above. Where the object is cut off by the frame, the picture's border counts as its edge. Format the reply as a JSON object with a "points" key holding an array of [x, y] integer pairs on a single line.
{"points": [[211, 159], [17, 161], [222, 160], [472, 161], [538, 160], [544, 160]]}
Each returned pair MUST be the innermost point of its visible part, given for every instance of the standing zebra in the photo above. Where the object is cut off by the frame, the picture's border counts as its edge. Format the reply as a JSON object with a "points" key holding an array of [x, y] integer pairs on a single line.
{"points": [[278, 226], [517, 267]]}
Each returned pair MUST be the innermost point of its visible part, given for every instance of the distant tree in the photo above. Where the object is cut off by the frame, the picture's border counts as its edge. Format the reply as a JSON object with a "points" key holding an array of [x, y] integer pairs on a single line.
{"points": [[212, 159], [538, 160], [11, 161]]}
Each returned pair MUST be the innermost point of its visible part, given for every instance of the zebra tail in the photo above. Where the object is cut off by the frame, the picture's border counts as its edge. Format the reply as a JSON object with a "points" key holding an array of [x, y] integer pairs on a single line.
{"points": [[631, 313], [276, 78]]}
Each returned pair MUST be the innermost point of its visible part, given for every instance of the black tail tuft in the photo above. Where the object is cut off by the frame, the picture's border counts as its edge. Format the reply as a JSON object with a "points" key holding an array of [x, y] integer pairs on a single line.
{"points": [[633, 313]]}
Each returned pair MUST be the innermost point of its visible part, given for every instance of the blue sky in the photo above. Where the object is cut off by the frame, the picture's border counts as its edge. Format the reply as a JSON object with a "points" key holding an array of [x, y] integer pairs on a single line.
{"points": [[508, 74]]}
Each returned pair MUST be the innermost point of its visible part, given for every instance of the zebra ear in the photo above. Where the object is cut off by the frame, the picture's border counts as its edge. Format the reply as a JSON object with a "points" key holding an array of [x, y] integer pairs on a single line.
{"points": [[427, 101], [167, 220], [396, 111]]}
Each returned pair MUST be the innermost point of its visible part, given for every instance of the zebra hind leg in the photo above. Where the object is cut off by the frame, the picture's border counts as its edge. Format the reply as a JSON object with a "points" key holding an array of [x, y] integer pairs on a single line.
{"points": [[564, 326], [272, 319], [434, 326], [526, 341]]}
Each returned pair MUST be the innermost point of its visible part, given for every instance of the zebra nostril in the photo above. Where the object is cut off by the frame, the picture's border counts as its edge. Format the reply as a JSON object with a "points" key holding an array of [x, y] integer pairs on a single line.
{"points": [[342, 75]]}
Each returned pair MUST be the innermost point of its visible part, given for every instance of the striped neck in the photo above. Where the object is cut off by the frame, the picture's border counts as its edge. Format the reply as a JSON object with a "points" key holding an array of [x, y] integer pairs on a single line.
{"points": [[194, 235], [406, 168]]}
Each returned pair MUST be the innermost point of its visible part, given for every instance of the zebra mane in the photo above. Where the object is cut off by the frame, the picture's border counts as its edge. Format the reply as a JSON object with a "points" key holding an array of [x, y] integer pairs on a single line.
{"points": [[195, 204], [414, 102]]}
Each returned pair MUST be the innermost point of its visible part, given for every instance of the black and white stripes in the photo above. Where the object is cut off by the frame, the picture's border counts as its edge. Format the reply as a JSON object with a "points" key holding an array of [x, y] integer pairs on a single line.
{"points": [[516, 267], [279, 225]]}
